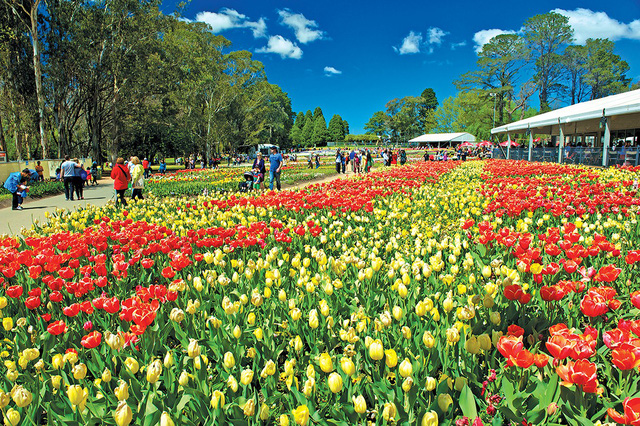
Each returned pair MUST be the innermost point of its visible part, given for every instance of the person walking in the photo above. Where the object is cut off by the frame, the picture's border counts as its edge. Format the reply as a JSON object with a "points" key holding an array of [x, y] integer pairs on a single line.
{"points": [[275, 167], [137, 179], [68, 173], [163, 167], [338, 162], [79, 179], [147, 169], [94, 173], [121, 178], [16, 185], [369, 163]]}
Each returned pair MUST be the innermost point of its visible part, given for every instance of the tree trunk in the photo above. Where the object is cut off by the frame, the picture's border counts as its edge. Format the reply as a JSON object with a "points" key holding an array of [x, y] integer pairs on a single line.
{"points": [[38, 75], [115, 142], [16, 138], [2, 141]]}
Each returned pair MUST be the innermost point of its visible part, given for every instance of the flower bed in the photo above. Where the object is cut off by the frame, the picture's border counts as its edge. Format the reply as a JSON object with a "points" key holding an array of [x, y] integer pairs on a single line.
{"points": [[435, 292]]}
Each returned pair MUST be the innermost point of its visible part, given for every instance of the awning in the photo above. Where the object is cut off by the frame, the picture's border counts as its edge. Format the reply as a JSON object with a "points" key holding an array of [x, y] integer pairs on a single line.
{"points": [[622, 112]]}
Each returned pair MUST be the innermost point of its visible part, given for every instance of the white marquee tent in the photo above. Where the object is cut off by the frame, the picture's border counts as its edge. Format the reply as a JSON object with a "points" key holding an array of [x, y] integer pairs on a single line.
{"points": [[444, 138], [598, 118]]}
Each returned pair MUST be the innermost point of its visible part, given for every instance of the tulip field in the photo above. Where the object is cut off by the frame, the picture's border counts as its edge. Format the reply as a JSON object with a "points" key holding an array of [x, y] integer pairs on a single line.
{"points": [[464, 293]]}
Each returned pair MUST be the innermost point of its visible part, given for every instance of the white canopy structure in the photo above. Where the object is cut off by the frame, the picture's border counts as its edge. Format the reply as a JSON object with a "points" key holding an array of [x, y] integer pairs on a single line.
{"points": [[444, 138], [597, 119], [583, 117]]}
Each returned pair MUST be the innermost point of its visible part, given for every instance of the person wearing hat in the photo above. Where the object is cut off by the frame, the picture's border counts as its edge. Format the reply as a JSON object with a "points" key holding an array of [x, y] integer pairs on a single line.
{"points": [[258, 169], [16, 185]]}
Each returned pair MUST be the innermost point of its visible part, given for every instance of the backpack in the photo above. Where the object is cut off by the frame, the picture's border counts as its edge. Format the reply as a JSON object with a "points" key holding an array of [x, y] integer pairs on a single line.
{"points": [[83, 175]]}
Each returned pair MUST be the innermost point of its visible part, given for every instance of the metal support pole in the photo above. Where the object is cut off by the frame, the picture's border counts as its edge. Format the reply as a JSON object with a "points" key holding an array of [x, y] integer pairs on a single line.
{"points": [[508, 146], [605, 145], [560, 143], [530, 144]]}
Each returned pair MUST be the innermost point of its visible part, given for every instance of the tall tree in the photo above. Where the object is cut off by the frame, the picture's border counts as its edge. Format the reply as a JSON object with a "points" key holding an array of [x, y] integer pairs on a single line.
{"points": [[320, 134], [574, 59], [606, 71], [499, 65], [296, 129], [307, 130], [378, 124], [28, 12], [546, 36], [336, 129]]}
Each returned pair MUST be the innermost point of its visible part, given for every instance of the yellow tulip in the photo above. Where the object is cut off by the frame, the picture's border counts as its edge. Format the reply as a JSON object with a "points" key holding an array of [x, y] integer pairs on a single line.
{"points": [[154, 371], [325, 362], [283, 420], [217, 399], [165, 419], [347, 366], [428, 339], [123, 414], [405, 369], [229, 360], [444, 401], [132, 365], [335, 382], [79, 371], [122, 391], [431, 384], [430, 418], [376, 350], [246, 376], [249, 408], [389, 411], [56, 381], [7, 323], [391, 358], [21, 396], [12, 418], [359, 404], [301, 415], [193, 350]]}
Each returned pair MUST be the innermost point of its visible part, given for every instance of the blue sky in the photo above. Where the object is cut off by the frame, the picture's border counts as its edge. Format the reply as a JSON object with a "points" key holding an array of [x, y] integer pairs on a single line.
{"points": [[351, 57]]}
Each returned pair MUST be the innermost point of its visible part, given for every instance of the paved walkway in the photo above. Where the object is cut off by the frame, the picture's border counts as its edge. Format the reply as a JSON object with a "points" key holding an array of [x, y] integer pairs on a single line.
{"points": [[12, 221]]}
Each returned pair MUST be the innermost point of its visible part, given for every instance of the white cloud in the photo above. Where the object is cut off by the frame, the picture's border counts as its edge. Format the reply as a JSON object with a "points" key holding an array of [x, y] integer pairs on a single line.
{"points": [[228, 19], [435, 35], [454, 46], [483, 37], [414, 42], [410, 44], [283, 47], [589, 24], [329, 71], [305, 29]]}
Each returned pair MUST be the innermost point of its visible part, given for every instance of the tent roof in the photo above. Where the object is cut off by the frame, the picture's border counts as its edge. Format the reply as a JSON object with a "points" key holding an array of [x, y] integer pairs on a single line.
{"points": [[445, 137], [623, 103]]}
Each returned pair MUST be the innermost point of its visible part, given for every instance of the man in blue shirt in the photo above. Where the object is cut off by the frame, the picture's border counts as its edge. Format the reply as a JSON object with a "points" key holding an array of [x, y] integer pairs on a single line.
{"points": [[352, 156], [67, 173], [275, 168], [15, 185]]}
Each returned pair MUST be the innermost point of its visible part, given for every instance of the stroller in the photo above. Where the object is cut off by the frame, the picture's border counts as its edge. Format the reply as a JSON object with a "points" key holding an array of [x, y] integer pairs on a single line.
{"points": [[247, 184]]}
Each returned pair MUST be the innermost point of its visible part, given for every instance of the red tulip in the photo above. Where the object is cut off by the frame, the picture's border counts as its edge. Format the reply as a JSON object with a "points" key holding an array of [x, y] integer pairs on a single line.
{"points": [[635, 298], [626, 356], [513, 292], [91, 340], [57, 327], [540, 360], [631, 414], [581, 373], [14, 291], [515, 330], [524, 359], [32, 302]]}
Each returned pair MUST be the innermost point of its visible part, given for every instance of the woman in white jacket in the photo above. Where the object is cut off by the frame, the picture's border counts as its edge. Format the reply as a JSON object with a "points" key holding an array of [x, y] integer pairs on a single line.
{"points": [[137, 179]]}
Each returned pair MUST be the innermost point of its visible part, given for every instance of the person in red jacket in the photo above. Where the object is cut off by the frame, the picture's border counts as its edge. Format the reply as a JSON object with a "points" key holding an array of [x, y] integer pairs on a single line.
{"points": [[147, 168], [121, 178]]}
